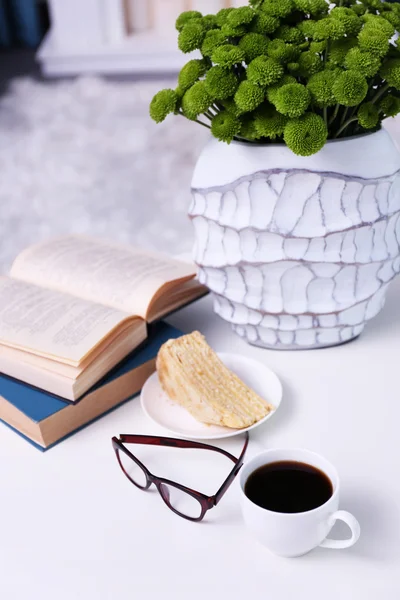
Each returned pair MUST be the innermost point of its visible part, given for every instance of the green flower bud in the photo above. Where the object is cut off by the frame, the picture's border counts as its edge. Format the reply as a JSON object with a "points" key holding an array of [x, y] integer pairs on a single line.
{"points": [[221, 83], [350, 88], [163, 104], [352, 24], [248, 96], [390, 106], [240, 16], [214, 39], [329, 29], [306, 135], [283, 52], [380, 23], [191, 37], [273, 89], [253, 45], [318, 47], [338, 50], [320, 87], [268, 122], [263, 23], [222, 16], [264, 70], [225, 126], [390, 71], [277, 8], [290, 34], [364, 62], [373, 40], [191, 73], [312, 7], [228, 55], [368, 115], [196, 101], [292, 99], [309, 63], [185, 17]]}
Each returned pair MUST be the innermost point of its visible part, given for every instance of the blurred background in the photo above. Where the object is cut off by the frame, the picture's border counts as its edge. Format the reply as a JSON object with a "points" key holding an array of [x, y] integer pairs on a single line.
{"points": [[78, 151]]}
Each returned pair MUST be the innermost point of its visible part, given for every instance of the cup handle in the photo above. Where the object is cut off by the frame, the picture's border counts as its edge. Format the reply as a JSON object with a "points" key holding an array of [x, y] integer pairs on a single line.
{"points": [[346, 517]]}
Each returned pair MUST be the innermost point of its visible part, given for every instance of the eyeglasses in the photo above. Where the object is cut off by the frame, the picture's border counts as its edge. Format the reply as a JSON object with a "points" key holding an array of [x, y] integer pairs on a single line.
{"points": [[183, 501]]}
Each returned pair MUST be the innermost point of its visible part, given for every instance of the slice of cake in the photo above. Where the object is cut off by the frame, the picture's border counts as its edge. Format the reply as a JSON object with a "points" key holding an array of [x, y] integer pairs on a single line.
{"points": [[192, 375]]}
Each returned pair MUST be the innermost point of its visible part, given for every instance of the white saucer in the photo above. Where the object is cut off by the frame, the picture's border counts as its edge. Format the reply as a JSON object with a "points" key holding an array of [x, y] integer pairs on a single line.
{"points": [[160, 409]]}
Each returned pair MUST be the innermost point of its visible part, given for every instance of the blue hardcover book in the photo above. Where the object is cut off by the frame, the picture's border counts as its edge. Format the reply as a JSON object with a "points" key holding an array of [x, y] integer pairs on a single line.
{"points": [[44, 419]]}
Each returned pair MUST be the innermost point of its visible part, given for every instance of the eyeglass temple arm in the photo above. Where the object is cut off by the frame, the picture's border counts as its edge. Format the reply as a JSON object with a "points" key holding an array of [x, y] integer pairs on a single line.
{"points": [[233, 473], [172, 442]]}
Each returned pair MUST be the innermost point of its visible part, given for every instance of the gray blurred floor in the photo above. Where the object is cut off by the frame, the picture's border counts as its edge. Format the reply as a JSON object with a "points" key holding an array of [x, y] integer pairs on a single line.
{"points": [[82, 155]]}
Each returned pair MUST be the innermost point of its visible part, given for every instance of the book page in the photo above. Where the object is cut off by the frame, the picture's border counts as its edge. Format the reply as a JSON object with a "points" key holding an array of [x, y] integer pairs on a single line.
{"points": [[52, 324], [125, 278]]}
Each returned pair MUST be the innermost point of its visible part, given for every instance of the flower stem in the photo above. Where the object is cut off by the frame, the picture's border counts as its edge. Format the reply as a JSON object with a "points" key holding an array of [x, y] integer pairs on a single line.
{"points": [[326, 116], [344, 115], [195, 120], [380, 93], [345, 124], [335, 113]]}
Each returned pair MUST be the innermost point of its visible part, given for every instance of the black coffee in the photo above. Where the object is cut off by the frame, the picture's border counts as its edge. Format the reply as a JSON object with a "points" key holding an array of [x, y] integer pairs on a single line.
{"points": [[288, 486]]}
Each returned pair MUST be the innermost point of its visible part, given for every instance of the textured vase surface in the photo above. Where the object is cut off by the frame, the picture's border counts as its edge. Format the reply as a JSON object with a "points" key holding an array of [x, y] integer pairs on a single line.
{"points": [[298, 252]]}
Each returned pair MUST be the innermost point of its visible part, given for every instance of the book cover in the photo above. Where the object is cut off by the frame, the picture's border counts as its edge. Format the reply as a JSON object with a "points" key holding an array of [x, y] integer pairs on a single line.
{"points": [[27, 409]]}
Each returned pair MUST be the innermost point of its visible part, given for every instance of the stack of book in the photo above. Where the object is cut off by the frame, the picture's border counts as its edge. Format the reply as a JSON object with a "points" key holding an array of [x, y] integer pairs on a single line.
{"points": [[80, 328]]}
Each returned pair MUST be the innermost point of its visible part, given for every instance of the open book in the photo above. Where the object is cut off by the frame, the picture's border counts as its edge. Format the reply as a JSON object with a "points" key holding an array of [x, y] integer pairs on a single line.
{"points": [[74, 307]]}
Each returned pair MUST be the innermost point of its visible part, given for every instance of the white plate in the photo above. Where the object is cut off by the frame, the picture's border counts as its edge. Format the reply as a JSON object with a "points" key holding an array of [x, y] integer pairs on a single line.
{"points": [[160, 409]]}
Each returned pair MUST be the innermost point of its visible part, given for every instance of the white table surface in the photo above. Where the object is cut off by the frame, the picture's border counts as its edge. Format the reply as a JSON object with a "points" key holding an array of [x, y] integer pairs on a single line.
{"points": [[72, 526]]}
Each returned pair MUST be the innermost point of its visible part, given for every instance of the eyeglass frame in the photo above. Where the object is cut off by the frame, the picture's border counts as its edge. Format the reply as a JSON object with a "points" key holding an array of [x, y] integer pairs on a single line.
{"points": [[206, 502]]}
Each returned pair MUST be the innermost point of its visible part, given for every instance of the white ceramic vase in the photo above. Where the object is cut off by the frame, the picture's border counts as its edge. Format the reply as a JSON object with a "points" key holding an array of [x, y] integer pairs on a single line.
{"points": [[298, 251]]}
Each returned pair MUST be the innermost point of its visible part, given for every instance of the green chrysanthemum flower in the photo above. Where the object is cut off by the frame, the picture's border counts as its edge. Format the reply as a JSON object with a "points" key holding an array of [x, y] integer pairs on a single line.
{"points": [[312, 7], [264, 70], [163, 104], [213, 39], [283, 52], [196, 100], [268, 122], [293, 67], [225, 126], [263, 23], [221, 83], [230, 106], [318, 47], [358, 9], [306, 135], [368, 115], [352, 24], [222, 16], [273, 89], [191, 73], [392, 18], [373, 40], [185, 17], [292, 100], [248, 130], [248, 96], [390, 71], [350, 88], [230, 31], [379, 23], [253, 45], [364, 62], [309, 64], [290, 34], [329, 29], [228, 55], [338, 50], [320, 87], [240, 16], [210, 22], [390, 106], [191, 37], [307, 27], [277, 8]]}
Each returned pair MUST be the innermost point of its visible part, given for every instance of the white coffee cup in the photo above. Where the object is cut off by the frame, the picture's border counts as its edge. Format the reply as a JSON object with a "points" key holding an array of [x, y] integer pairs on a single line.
{"points": [[294, 534]]}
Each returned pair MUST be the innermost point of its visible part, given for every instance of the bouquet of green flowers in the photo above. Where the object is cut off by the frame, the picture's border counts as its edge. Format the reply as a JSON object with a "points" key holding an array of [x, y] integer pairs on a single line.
{"points": [[292, 71]]}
